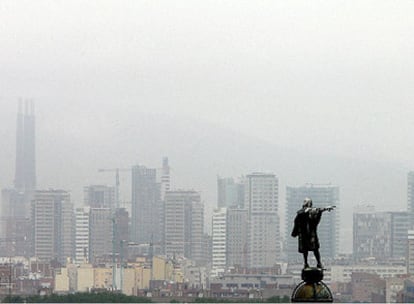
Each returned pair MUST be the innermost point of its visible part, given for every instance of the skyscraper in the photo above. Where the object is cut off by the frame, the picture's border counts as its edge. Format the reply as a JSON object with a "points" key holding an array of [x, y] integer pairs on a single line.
{"points": [[219, 241], [82, 235], [25, 175], [229, 192], [237, 237], [52, 225], [372, 235], [410, 252], [410, 198], [184, 224], [328, 229], [100, 233], [261, 201], [165, 177], [382, 235], [15, 226], [15, 202], [146, 217], [99, 196]]}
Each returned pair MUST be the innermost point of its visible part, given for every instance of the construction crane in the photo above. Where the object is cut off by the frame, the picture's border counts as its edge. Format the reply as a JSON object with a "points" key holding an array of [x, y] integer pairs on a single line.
{"points": [[117, 183]]}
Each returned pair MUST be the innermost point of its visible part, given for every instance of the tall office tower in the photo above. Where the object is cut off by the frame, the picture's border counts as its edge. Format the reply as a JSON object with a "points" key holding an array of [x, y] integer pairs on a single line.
{"points": [[237, 240], [382, 235], [52, 225], [372, 235], [328, 229], [410, 197], [219, 241], [229, 192], [410, 252], [261, 201], [25, 175], [121, 222], [82, 235], [100, 233], [146, 218], [400, 226], [15, 226], [99, 196], [165, 177], [184, 225], [15, 202]]}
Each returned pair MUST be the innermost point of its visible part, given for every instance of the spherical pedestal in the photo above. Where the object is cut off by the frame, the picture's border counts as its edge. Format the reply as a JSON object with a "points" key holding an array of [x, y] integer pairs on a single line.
{"points": [[312, 289]]}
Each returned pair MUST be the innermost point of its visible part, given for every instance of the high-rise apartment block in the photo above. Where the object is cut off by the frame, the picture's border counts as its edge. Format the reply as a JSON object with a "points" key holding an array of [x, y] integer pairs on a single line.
{"points": [[165, 177], [400, 226], [15, 225], [100, 233], [410, 197], [52, 225], [82, 235], [229, 192], [382, 235], [219, 241], [229, 239], [121, 226], [100, 196], [261, 201], [184, 225], [147, 208], [410, 252], [237, 237], [323, 195]]}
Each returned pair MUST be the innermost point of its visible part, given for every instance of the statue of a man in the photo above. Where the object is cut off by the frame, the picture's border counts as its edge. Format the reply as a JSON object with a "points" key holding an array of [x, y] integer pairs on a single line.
{"points": [[305, 225]]}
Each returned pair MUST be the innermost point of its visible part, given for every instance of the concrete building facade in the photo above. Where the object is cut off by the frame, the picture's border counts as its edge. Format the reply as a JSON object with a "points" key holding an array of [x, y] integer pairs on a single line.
{"points": [[237, 237], [410, 198], [262, 202], [147, 208], [99, 196], [184, 224], [52, 225], [382, 235], [100, 233], [82, 235], [410, 252], [219, 241], [229, 192]]}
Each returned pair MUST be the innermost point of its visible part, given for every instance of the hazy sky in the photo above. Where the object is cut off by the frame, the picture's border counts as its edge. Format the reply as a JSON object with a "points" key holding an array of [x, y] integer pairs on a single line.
{"points": [[329, 77], [335, 77]]}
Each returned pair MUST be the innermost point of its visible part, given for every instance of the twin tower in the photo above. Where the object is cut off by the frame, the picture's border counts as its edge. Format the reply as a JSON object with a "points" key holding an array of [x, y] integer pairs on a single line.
{"points": [[25, 175]]}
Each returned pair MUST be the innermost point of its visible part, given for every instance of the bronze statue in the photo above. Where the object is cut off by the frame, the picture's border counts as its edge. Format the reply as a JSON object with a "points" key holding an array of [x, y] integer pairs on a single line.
{"points": [[305, 226]]}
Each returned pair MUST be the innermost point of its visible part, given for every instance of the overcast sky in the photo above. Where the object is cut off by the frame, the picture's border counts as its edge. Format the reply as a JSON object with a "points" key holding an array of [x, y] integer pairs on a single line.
{"points": [[335, 77], [331, 77]]}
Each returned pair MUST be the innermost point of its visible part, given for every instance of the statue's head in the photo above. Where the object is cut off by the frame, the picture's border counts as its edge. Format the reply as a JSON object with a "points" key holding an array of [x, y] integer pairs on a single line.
{"points": [[307, 203]]}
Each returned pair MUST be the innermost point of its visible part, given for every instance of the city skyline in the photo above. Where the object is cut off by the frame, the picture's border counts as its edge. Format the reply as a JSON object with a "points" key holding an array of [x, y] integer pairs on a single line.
{"points": [[166, 224], [164, 179], [137, 128]]}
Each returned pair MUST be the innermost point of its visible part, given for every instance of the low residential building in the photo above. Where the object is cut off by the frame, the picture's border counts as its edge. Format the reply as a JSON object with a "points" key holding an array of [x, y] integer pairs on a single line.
{"points": [[339, 273], [85, 278], [248, 285]]}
